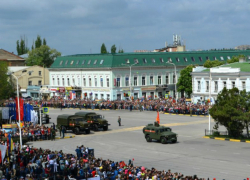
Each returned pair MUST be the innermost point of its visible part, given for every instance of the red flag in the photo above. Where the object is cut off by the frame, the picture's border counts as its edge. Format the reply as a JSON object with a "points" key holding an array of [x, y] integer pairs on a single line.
{"points": [[158, 117], [21, 109]]}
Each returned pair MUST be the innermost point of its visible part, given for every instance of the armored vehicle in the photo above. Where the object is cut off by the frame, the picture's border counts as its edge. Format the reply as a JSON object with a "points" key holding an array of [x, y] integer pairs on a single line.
{"points": [[160, 133], [72, 122], [95, 121]]}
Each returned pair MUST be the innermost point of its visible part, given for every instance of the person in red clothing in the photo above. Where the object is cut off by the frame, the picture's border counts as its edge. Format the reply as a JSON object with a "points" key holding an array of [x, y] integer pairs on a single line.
{"points": [[49, 133], [47, 170], [21, 164], [43, 133], [93, 173]]}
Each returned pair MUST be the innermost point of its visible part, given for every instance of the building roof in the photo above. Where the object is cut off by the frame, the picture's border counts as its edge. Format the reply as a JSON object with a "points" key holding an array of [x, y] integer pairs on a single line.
{"points": [[148, 59], [5, 55]]}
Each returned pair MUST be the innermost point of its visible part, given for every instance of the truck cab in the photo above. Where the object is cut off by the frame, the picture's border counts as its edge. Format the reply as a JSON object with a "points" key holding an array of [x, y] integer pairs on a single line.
{"points": [[73, 122]]}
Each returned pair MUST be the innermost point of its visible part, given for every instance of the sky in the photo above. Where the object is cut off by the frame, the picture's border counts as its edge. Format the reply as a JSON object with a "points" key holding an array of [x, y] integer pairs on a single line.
{"points": [[81, 26]]}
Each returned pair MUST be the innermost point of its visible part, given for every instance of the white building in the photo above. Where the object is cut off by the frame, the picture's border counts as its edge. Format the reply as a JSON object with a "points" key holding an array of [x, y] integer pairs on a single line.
{"points": [[213, 80]]}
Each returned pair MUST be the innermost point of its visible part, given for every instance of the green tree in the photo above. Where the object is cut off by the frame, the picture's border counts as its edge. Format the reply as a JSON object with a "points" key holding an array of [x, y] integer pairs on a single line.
{"points": [[42, 56], [6, 88], [103, 49], [184, 83], [210, 64], [228, 111], [38, 42], [235, 59], [44, 41], [120, 50], [113, 49], [21, 46]]}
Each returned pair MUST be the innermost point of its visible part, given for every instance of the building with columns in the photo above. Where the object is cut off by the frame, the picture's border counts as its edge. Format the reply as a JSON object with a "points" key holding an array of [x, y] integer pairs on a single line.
{"points": [[213, 80], [107, 76]]}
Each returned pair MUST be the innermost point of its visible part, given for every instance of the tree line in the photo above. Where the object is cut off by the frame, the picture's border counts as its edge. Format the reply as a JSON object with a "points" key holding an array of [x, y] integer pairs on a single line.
{"points": [[112, 49]]}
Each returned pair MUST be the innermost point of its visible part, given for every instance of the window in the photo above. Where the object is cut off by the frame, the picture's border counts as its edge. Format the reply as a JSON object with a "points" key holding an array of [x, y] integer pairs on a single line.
{"points": [[89, 61], [136, 61], [63, 82], [153, 60], [177, 59], [135, 81], [166, 78], [199, 85], [193, 59], [185, 59], [72, 62], [243, 85], [73, 81], [200, 58], [78, 81], [77, 62], [95, 61], [101, 62], [169, 60], [215, 86], [66, 62], [207, 86], [90, 83], [84, 81], [222, 58], [144, 60], [173, 78], [30, 73], [68, 81], [58, 81], [118, 82], [207, 58], [215, 58], [101, 81], [39, 73], [61, 62], [127, 61], [151, 80], [107, 82], [30, 83], [228, 57], [224, 84], [233, 84], [126, 81], [53, 81], [161, 60], [159, 80], [143, 80], [248, 57], [39, 83], [95, 82], [34, 95], [83, 62]]}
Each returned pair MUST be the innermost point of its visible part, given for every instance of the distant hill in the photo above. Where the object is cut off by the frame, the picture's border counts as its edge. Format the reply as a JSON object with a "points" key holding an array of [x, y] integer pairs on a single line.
{"points": [[243, 47]]}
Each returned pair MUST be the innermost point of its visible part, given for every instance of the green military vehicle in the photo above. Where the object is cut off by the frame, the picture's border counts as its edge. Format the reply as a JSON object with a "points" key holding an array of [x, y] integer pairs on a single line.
{"points": [[72, 122], [96, 121], [160, 133]]}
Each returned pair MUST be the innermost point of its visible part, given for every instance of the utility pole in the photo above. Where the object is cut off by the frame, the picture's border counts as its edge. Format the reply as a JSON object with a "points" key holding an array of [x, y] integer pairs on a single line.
{"points": [[210, 81]]}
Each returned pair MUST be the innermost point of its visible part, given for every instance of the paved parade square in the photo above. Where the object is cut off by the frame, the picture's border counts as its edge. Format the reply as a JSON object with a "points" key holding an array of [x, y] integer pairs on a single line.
{"points": [[192, 154]]}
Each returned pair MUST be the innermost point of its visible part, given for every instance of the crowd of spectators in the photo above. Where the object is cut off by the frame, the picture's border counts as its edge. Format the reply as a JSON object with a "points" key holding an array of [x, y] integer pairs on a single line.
{"points": [[32, 132], [170, 105], [31, 163]]}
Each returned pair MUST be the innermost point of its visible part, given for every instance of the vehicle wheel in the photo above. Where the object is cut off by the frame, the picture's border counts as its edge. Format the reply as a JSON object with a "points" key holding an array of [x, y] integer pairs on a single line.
{"points": [[148, 139], [76, 130], [87, 131], [105, 128], [163, 140], [174, 141]]}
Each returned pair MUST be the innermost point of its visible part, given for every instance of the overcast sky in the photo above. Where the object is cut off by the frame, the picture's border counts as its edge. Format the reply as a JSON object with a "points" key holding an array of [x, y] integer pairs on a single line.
{"points": [[81, 26]]}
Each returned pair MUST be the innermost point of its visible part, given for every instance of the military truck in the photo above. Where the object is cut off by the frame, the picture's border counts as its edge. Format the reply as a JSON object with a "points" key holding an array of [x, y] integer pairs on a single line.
{"points": [[160, 133], [72, 122], [96, 121]]}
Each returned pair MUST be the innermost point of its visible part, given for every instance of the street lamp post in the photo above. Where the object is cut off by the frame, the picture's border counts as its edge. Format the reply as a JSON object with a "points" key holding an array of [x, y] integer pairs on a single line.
{"points": [[176, 94], [18, 105], [130, 75]]}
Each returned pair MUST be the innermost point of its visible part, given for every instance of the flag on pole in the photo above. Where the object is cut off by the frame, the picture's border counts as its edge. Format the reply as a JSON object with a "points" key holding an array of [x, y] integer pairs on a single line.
{"points": [[158, 117]]}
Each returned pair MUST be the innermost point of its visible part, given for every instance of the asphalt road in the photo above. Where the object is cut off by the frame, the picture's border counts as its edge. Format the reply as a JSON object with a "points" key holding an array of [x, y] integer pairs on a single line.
{"points": [[191, 155]]}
